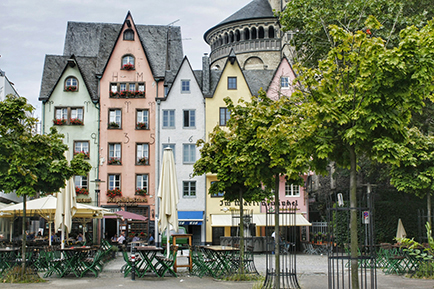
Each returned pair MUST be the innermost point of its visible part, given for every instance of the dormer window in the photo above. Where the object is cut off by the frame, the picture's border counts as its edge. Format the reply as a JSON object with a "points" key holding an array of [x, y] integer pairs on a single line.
{"points": [[71, 84], [128, 62], [129, 34]]}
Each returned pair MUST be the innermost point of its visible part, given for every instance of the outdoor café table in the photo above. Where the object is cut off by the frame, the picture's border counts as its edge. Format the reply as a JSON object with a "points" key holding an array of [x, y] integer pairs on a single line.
{"points": [[225, 257], [147, 254], [8, 257], [71, 260]]}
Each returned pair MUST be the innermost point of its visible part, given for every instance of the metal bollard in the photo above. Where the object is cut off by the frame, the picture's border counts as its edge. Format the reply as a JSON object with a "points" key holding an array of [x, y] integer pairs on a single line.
{"points": [[133, 265]]}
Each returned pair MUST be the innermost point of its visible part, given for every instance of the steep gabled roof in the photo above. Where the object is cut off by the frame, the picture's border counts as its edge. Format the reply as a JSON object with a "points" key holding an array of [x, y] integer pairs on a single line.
{"points": [[257, 79], [55, 66], [256, 9]]}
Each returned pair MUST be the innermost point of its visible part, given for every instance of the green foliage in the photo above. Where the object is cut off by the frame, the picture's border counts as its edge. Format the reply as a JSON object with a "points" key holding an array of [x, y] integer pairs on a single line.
{"points": [[31, 163], [312, 20], [425, 255]]}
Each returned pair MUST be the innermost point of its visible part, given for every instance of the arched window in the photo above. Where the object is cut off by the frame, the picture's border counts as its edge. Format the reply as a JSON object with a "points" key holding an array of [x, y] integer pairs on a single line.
{"points": [[253, 33], [237, 35], [231, 37], [271, 32], [246, 33], [261, 32], [226, 40], [129, 34], [128, 62], [220, 40], [71, 84]]}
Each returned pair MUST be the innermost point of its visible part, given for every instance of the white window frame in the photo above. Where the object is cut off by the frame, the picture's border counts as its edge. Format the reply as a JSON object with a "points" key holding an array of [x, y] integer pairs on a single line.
{"points": [[168, 118], [189, 153], [81, 146], [115, 115], [143, 116], [128, 59], [142, 150], [185, 85], [114, 181], [77, 113], [191, 118], [142, 182], [292, 190], [284, 82], [189, 191], [115, 150], [81, 182], [62, 113]]}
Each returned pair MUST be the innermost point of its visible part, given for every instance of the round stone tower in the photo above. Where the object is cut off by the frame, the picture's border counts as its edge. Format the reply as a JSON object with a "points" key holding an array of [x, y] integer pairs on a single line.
{"points": [[254, 34]]}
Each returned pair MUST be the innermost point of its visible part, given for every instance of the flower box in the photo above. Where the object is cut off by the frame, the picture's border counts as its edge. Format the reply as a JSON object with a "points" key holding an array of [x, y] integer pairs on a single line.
{"points": [[126, 93], [71, 88], [85, 154], [114, 161], [81, 191], [114, 193], [142, 125], [143, 161], [141, 192], [128, 66], [59, 121], [139, 93], [76, 121], [113, 125], [114, 94]]}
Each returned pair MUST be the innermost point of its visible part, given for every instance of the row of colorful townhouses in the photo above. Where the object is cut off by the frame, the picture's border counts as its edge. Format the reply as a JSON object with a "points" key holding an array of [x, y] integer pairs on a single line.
{"points": [[121, 93]]}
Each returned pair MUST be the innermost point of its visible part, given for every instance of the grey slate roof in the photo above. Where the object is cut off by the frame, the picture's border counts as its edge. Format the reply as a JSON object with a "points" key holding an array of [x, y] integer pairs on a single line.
{"points": [[162, 45], [254, 10], [54, 67], [257, 79]]}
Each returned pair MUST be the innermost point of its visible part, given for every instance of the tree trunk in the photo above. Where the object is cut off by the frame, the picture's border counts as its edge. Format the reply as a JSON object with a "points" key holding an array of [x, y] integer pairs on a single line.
{"points": [[353, 220], [276, 232], [241, 233], [23, 248]]}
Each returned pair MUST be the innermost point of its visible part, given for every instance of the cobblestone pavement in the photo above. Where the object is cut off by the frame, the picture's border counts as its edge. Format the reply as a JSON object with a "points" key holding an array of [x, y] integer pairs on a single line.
{"points": [[311, 273]]}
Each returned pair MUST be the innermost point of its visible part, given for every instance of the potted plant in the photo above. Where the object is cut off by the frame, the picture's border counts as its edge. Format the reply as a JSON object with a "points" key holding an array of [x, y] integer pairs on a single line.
{"points": [[59, 121], [113, 125], [143, 161], [128, 66], [114, 94], [142, 125], [76, 121], [114, 161], [113, 193], [81, 191], [114, 250], [71, 88], [141, 192]]}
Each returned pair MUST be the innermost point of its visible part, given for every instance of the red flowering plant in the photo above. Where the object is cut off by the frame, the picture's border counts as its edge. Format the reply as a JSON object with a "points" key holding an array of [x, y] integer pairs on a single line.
{"points": [[128, 66], [85, 154], [139, 93], [59, 121], [81, 191], [142, 125], [126, 93], [143, 161], [131, 234], [114, 94], [71, 88], [114, 161], [143, 235], [141, 192], [76, 121], [114, 193]]}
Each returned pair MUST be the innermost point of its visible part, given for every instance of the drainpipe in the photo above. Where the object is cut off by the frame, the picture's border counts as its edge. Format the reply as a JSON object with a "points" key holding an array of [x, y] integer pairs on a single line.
{"points": [[43, 118], [203, 237], [157, 144], [98, 107]]}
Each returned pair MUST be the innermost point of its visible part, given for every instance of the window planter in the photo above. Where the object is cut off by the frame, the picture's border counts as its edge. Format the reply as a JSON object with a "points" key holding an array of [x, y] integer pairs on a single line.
{"points": [[81, 191], [141, 192], [113, 125], [85, 154], [76, 121], [59, 121], [114, 161], [126, 93], [128, 66], [139, 93], [114, 94], [71, 88], [114, 193], [142, 125], [143, 161]]}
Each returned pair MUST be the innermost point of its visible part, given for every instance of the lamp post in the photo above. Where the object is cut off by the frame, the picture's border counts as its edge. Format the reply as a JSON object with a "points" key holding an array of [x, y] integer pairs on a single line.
{"points": [[97, 191]]}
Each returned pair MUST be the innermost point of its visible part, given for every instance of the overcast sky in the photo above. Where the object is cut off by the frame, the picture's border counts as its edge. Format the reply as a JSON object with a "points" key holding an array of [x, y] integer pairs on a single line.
{"points": [[31, 29]]}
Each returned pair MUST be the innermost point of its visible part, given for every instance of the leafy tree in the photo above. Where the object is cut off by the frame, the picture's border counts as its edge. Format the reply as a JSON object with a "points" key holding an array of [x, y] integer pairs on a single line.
{"points": [[31, 163], [359, 101], [312, 20], [415, 172]]}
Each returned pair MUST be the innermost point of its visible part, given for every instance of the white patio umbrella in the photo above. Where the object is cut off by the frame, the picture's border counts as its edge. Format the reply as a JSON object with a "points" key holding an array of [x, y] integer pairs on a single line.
{"points": [[168, 195], [66, 207], [400, 231]]}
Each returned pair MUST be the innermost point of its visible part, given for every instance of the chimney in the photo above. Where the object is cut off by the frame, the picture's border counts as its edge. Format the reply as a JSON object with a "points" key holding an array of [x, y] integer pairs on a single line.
{"points": [[206, 77]]}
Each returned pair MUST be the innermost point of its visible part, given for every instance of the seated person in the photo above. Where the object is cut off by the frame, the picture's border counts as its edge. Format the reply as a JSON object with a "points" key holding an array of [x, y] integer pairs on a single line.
{"points": [[136, 238], [151, 240], [121, 239], [80, 237]]}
